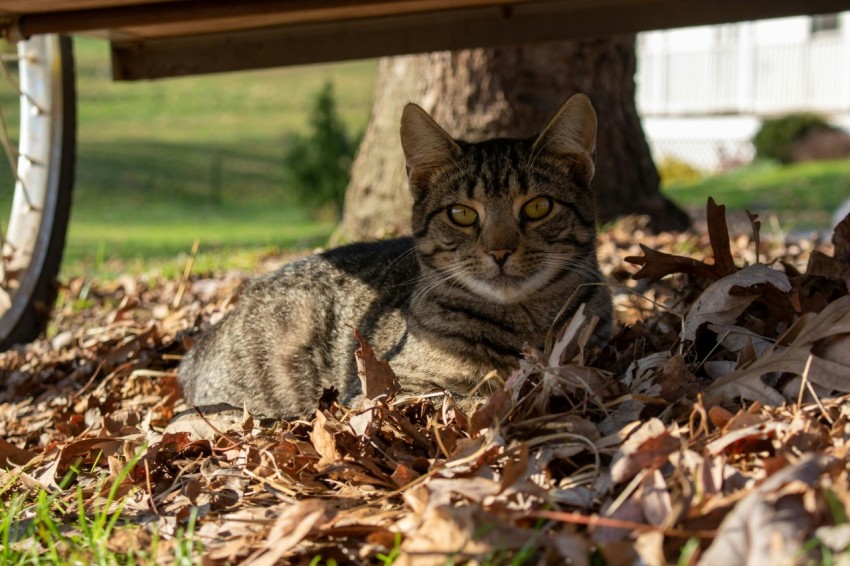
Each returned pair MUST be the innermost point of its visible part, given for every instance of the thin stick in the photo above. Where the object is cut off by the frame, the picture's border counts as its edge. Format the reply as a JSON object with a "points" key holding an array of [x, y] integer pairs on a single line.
{"points": [[186, 272], [808, 385]]}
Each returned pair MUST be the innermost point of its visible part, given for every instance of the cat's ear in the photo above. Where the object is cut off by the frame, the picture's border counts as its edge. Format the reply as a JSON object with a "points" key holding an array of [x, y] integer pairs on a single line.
{"points": [[426, 145], [572, 132]]}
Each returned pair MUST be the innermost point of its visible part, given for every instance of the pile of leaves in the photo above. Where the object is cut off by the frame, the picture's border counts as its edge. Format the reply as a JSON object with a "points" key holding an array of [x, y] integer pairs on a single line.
{"points": [[712, 428]]}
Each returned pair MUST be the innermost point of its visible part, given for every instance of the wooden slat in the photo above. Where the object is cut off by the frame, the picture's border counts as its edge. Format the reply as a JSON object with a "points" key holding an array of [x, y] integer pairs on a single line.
{"points": [[190, 17], [310, 12], [420, 32], [41, 6]]}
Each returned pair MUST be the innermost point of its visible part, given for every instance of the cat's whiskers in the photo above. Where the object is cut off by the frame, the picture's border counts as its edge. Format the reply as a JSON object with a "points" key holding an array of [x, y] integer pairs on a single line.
{"points": [[574, 266], [431, 281], [437, 273], [424, 291], [409, 252], [581, 266]]}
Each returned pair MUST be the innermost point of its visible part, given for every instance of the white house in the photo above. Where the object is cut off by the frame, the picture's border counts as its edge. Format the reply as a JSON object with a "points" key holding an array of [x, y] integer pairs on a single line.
{"points": [[703, 91]]}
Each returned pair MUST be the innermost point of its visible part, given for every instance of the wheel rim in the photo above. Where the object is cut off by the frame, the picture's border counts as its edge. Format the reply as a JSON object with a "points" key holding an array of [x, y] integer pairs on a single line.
{"points": [[27, 235]]}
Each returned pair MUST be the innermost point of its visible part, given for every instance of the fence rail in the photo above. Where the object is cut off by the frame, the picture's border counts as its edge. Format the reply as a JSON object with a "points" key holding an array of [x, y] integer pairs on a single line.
{"points": [[707, 156], [741, 78]]}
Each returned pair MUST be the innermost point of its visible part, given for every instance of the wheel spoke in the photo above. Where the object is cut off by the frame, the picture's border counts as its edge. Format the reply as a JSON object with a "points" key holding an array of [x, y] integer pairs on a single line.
{"points": [[10, 156], [8, 74]]}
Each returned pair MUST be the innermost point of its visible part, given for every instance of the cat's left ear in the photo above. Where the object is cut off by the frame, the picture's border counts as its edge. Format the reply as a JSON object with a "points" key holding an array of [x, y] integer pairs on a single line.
{"points": [[572, 132], [426, 145]]}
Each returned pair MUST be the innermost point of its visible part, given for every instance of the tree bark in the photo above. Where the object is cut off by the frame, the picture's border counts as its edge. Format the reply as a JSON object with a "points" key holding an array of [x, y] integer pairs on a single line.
{"points": [[507, 92]]}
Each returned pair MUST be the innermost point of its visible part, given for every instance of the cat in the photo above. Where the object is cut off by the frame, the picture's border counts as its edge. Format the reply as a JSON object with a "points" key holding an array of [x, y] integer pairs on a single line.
{"points": [[503, 238]]}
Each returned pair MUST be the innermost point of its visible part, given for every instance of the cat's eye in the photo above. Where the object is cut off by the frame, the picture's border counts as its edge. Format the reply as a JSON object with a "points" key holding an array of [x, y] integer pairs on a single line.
{"points": [[537, 208], [462, 215]]}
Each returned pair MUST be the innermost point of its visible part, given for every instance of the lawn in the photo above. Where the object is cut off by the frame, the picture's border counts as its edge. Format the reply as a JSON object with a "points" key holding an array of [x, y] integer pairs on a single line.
{"points": [[802, 196], [163, 163]]}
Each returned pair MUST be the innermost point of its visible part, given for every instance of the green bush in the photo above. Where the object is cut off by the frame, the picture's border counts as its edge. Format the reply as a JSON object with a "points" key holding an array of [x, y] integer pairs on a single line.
{"points": [[774, 138], [318, 165], [674, 171]]}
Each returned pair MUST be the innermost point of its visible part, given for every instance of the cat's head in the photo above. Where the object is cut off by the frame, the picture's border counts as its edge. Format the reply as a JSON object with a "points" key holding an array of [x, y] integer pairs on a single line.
{"points": [[504, 217]]}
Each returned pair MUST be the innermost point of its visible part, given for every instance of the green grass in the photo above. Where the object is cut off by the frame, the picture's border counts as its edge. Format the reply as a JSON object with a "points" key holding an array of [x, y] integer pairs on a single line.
{"points": [[75, 526], [804, 194], [161, 163]]}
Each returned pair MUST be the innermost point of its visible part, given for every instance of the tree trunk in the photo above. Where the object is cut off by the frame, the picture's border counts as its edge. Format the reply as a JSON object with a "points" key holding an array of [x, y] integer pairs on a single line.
{"points": [[507, 92]]}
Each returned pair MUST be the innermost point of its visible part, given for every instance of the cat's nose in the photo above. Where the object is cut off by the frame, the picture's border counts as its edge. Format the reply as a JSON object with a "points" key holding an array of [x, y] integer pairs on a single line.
{"points": [[500, 256]]}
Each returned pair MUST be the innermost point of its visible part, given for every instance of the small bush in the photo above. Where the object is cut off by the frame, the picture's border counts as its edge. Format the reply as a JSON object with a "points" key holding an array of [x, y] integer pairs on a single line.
{"points": [[775, 137], [674, 171], [319, 164]]}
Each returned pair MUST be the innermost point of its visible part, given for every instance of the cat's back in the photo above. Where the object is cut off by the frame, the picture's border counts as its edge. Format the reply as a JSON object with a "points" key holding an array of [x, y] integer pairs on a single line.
{"points": [[342, 273], [294, 322]]}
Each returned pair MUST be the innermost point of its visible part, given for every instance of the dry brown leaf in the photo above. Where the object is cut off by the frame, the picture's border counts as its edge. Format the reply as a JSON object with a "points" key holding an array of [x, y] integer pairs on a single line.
{"points": [[647, 448], [718, 235], [841, 240], [822, 337], [208, 422], [736, 440], [567, 347], [51, 474], [376, 376], [490, 412], [767, 526], [324, 441], [656, 265], [290, 529], [717, 306], [455, 533], [11, 455], [570, 548], [655, 500], [650, 548]]}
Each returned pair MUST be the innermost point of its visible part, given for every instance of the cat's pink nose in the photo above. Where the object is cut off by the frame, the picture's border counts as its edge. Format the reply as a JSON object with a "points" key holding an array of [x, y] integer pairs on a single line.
{"points": [[501, 256]]}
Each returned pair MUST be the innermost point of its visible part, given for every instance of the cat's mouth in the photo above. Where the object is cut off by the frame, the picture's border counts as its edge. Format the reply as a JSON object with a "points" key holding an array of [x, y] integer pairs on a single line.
{"points": [[505, 288]]}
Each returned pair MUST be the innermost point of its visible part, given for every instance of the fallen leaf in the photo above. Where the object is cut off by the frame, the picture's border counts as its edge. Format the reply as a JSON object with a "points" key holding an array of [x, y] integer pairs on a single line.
{"points": [[489, 413], [823, 337], [841, 240], [207, 422], [718, 235], [290, 529], [11, 455], [376, 376], [324, 441], [717, 306], [656, 265], [655, 500], [648, 447], [767, 526]]}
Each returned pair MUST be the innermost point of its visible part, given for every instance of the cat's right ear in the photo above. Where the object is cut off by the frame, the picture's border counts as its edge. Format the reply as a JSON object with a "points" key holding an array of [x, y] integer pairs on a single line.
{"points": [[426, 145], [571, 134]]}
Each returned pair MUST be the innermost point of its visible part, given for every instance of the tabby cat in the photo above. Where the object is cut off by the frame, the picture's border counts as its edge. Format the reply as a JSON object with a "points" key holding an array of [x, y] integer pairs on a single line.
{"points": [[503, 238]]}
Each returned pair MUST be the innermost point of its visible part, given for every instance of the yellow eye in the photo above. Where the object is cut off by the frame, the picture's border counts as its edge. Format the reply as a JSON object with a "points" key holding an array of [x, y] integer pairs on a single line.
{"points": [[462, 215], [537, 208]]}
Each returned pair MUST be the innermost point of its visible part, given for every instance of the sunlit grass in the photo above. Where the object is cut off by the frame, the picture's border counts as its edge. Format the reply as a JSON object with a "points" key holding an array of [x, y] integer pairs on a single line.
{"points": [[804, 194], [163, 163], [67, 526]]}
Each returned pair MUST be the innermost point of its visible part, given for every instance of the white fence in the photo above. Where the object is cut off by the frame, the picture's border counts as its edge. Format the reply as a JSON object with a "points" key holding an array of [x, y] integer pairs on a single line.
{"points": [[703, 92], [742, 78]]}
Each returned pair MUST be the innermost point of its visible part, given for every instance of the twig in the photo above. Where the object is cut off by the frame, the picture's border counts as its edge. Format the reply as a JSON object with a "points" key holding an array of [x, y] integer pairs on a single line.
{"points": [[808, 385], [596, 520], [184, 280]]}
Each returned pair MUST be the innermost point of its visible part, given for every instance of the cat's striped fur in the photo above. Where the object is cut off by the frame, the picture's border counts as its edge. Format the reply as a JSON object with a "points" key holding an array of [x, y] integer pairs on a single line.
{"points": [[446, 306]]}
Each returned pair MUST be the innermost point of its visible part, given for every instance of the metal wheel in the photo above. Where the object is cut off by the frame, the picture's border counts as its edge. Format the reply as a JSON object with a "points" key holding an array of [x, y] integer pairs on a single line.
{"points": [[40, 145]]}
